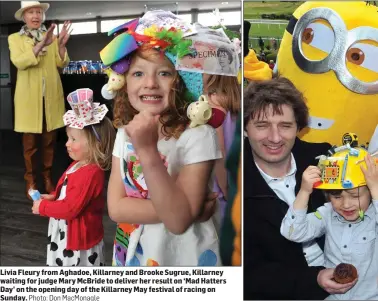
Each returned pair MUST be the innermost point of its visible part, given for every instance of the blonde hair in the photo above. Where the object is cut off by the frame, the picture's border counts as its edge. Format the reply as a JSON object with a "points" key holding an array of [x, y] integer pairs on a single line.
{"points": [[100, 150], [174, 119], [228, 88]]}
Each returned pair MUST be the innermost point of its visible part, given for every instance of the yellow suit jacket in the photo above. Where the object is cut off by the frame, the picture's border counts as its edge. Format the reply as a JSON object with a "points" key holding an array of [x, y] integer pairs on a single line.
{"points": [[28, 99]]}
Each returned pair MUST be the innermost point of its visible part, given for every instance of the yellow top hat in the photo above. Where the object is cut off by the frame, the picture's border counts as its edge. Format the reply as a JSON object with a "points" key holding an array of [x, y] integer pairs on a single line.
{"points": [[342, 170]]}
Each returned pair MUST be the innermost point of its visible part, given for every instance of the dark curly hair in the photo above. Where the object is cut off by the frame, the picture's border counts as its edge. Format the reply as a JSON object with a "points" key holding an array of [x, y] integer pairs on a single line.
{"points": [[174, 119], [260, 95]]}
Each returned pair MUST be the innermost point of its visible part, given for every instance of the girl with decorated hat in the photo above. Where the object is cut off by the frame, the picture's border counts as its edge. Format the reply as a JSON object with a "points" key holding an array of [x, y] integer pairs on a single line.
{"points": [[76, 207], [161, 168], [349, 178]]}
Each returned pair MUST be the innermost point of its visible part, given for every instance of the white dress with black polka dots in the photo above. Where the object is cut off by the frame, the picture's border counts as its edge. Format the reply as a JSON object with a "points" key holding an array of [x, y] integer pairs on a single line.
{"points": [[57, 254]]}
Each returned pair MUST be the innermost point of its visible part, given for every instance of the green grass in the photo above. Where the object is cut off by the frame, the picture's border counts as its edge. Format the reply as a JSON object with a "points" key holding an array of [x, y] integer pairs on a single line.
{"points": [[253, 10], [267, 30], [254, 44]]}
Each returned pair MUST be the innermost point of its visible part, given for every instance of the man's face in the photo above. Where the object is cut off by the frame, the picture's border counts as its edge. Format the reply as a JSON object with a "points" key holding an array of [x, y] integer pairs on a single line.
{"points": [[272, 136]]}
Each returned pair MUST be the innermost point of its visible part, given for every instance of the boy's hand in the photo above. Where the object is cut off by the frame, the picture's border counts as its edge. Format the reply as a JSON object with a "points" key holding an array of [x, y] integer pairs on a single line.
{"points": [[310, 176], [371, 175]]}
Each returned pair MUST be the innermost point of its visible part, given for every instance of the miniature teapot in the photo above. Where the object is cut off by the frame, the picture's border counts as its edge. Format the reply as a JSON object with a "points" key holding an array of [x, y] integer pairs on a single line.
{"points": [[199, 112]]}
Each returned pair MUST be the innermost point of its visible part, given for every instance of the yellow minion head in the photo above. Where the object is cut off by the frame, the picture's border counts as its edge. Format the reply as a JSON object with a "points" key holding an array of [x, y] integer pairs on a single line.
{"points": [[329, 51], [342, 169]]}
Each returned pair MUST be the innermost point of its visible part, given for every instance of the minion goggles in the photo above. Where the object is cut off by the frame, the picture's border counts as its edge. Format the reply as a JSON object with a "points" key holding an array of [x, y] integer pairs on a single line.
{"points": [[336, 59]]}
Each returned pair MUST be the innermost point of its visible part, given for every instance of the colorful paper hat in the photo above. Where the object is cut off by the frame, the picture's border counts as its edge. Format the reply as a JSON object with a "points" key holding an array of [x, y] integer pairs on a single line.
{"points": [[193, 49], [84, 111], [342, 169]]}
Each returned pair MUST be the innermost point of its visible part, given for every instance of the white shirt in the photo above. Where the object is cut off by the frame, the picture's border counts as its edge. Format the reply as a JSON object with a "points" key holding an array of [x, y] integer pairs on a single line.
{"points": [[284, 188]]}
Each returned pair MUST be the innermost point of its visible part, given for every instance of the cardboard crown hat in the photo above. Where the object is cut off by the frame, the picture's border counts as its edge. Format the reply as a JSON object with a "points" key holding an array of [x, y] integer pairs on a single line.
{"points": [[28, 4]]}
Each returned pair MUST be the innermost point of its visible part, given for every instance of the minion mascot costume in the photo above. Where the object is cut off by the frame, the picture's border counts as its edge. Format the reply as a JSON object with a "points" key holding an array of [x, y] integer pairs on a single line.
{"points": [[329, 51]]}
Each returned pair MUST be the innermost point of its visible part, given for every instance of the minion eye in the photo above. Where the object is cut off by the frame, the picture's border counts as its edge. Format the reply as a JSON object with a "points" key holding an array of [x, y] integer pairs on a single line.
{"points": [[355, 56], [320, 36], [362, 62], [364, 55], [308, 35]]}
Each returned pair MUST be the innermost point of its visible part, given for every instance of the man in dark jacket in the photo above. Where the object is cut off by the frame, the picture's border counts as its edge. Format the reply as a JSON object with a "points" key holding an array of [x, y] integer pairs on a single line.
{"points": [[274, 160]]}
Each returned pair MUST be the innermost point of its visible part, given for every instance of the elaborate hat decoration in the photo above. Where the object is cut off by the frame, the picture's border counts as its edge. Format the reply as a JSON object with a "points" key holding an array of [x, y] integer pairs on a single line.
{"points": [[84, 111], [192, 48], [341, 168]]}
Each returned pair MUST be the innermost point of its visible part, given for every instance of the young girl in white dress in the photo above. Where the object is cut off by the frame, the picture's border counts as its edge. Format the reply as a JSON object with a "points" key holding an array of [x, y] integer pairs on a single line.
{"points": [[162, 169]]}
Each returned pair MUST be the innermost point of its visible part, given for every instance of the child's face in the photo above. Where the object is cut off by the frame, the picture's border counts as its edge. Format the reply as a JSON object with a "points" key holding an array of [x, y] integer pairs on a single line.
{"points": [[149, 84], [347, 205], [77, 144]]}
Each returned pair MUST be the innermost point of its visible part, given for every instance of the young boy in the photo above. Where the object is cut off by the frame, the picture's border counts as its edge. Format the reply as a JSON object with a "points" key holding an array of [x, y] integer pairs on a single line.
{"points": [[349, 222]]}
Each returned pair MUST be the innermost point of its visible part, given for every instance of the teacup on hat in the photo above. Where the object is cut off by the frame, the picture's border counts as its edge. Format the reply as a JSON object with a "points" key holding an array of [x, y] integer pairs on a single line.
{"points": [[84, 111]]}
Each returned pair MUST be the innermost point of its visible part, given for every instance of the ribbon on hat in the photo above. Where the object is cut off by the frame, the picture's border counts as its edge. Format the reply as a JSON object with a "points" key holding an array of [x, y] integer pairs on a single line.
{"points": [[118, 48], [115, 54], [84, 111]]}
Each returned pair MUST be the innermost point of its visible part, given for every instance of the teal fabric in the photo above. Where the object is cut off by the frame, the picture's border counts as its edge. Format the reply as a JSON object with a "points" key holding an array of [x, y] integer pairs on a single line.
{"points": [[193, 80]]}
